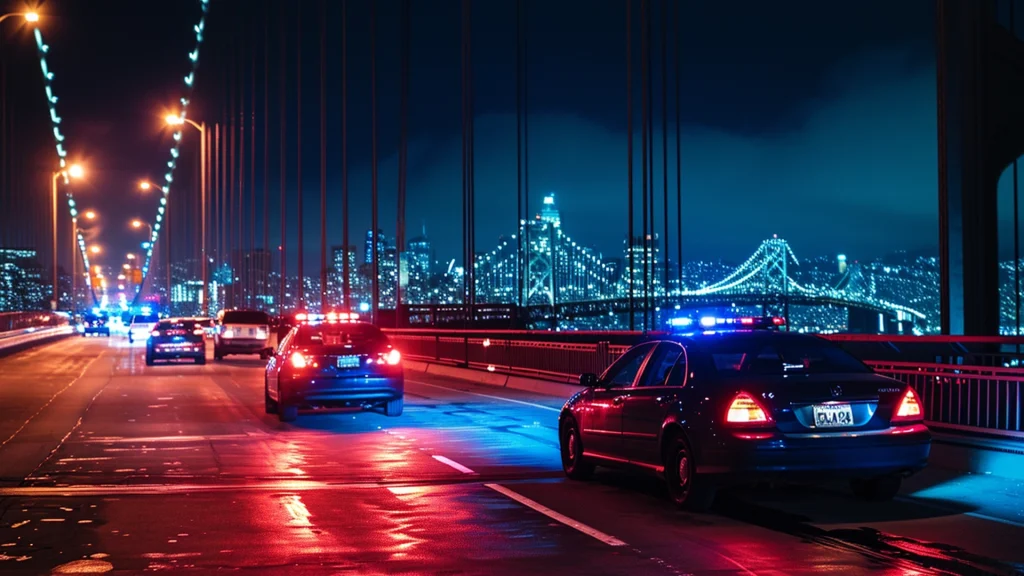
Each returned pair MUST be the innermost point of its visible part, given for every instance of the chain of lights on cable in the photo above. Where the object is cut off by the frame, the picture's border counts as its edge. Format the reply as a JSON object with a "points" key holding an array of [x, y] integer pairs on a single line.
{"points": [[193, 57], [51, 102]]}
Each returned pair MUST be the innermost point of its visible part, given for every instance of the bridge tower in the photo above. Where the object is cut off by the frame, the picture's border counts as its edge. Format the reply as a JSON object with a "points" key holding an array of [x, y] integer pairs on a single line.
{"points": [[776, 254]]}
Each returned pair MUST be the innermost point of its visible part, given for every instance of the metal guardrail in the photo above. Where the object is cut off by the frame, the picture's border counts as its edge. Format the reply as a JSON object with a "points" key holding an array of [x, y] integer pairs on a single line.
{"points": [[963, 382]]}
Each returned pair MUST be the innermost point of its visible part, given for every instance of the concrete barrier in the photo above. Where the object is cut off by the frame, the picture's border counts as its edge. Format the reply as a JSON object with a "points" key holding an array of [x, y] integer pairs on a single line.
{"points": [[495, 378], [11, 342]]}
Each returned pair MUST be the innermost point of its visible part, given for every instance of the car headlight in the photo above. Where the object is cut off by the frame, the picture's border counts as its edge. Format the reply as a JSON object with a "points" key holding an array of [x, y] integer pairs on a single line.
{"points": [[229, 333]]}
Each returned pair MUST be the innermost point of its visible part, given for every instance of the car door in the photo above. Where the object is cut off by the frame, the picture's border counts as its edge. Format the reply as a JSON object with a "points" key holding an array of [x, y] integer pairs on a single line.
{"points": [[274, 367], [650, 400], [602, 423]]}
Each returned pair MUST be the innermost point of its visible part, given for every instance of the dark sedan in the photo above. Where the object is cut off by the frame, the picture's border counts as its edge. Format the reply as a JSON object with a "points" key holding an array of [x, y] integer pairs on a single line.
{"points": [[718, 408], [334, 364], [179, 338], [95, 324]]}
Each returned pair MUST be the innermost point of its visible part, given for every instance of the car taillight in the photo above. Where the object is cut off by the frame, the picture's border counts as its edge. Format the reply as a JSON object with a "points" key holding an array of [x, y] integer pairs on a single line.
{"points": [[229, 333], [155, 333], [745, 410], [198, 332], [909, 409], [298, 360], [392, 357]]}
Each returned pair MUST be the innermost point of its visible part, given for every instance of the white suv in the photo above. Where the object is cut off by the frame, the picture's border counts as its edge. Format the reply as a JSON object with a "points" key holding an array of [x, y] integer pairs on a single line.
{"points": [[141, 326]]}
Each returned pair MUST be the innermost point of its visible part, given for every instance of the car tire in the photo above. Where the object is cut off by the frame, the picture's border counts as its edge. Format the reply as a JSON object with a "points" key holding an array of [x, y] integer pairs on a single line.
{"points": [[876, 489], [201, 360], [686, 489], [574, 464], [394, 407], [149, 360], [287, 413], [217, 355]]}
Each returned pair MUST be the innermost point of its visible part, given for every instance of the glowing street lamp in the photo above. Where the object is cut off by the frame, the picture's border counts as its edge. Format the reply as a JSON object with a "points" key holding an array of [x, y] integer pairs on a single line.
{"points": [[89, 215], [95, 249], [137, 224], [145, 186], [32, 17]]}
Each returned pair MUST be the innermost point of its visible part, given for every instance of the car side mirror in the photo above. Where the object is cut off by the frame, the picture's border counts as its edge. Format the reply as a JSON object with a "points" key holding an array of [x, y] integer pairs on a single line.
{"points": [[588, 380]]}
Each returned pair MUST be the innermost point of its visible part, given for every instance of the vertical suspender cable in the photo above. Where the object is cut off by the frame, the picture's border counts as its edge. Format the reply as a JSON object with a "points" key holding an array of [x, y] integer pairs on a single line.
{"points": [[262, 279], [629, 166], [645, 175], [300, 244], [250, 283], [649, 258], [520, 217], [403, 150], [466, 262], [345, 272], [240, 265], [941, 61], [664, 141], [323, 156], [283, 139], [679, 169], [374, 216]]}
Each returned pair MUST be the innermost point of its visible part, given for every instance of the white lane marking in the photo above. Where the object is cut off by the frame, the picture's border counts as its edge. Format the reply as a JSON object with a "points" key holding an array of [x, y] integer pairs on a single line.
{"points": [[160, 439], [592, 532], [978, 515], [158, 489], [453, 464], [52, 398], [524, 403]]}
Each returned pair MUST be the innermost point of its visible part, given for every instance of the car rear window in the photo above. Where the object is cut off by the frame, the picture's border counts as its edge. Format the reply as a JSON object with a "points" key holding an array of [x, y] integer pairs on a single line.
{"points": [[176, 325], [337, 334], [770, 356], [246, 317], [141, 319]]}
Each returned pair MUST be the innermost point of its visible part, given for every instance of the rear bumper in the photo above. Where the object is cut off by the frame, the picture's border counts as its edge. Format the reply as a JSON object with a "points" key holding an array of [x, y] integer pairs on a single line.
{"points": [[97, 330], [240, 346], [189, 350], [747, 456], [342, 392]]}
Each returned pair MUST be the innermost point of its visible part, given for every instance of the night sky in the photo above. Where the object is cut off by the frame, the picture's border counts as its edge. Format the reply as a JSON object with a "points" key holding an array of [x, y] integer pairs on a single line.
{"points": [[813, 120]]}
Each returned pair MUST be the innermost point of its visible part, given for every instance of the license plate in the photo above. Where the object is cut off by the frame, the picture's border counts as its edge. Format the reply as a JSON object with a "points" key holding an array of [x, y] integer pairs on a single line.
{"points": [[348, 361], [833, 416]]}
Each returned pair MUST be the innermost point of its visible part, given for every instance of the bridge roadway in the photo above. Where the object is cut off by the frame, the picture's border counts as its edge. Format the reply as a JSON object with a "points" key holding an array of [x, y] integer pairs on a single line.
{"points": [[106, 464]]}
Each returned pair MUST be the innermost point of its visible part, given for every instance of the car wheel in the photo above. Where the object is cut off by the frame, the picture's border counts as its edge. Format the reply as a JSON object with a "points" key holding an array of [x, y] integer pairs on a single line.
{"points": [[394, 407], [287, 413], [685, 488], [571, 447], [217, 356], [149, 360], [201, 360], [877, 489]]}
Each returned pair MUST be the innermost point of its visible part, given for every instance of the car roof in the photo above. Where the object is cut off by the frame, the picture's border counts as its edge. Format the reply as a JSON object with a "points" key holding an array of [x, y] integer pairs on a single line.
{"points": [[709, 336]]}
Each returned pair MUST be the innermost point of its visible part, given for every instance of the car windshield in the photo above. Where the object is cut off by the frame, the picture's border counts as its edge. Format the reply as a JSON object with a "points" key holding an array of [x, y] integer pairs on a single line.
{"points": [[337, 334], [246, 317], [771, 356], [145, 319]]}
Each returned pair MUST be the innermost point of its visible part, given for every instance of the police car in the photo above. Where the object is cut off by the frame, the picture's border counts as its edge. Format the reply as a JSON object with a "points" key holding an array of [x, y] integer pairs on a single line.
{"points": [[737, 400]]}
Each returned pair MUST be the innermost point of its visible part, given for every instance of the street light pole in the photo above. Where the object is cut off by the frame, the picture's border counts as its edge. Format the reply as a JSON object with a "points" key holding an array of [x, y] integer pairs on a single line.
{"points": [[204, 176], [53, 188]]}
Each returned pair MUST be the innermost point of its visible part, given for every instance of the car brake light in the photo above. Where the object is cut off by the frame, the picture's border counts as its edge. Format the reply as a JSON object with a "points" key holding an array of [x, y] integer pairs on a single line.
{"points": [[909, 408], [155, 333], [393, 357], [229, 333], [198, 332], [745, 410], [298, 360]]}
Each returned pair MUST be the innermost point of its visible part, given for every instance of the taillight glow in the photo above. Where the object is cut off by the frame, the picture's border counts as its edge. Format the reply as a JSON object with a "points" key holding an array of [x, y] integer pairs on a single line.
{"points": [[909, 408], [298, 360], [198, 332], [155, 333], [745, 410], [393, 357]]}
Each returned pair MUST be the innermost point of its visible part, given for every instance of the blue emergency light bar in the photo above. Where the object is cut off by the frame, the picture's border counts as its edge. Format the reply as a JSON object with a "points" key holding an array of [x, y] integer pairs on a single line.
{"points": [[727, 323]]}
